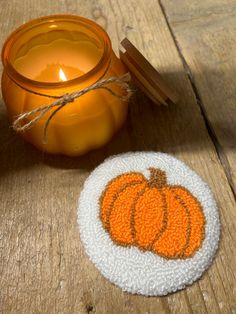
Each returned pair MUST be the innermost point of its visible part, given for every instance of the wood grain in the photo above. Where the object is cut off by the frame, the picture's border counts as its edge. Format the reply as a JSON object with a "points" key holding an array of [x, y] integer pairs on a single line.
{"points": [[43, 266], [205, 32]]}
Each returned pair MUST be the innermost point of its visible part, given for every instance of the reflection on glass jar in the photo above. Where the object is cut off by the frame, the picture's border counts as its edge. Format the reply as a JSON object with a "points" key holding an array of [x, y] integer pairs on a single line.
{"points": [[53, 56]]}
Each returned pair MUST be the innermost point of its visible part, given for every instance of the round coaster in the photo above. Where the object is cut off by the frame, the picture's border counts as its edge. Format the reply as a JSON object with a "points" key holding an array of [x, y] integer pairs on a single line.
{"points": [[148, 222]]}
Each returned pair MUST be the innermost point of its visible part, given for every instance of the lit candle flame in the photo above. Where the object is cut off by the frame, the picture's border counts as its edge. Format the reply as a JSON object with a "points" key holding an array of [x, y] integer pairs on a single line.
{"points": [[62, 75]]}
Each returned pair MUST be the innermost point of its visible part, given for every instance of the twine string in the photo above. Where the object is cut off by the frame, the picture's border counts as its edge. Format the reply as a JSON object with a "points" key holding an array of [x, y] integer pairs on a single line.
{"points": [[21, 124]]}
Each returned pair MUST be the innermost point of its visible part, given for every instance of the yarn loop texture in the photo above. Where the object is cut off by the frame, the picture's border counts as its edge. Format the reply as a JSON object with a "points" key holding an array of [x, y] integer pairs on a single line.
{"points": [[148, 222]]}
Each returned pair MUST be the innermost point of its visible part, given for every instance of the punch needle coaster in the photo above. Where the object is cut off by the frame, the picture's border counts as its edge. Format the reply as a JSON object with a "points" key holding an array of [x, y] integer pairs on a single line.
{"points": [[148, 223]]}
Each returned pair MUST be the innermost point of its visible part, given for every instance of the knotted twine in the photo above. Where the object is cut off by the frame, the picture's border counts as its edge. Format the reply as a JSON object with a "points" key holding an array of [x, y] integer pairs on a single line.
{"points": [[21, 124]]}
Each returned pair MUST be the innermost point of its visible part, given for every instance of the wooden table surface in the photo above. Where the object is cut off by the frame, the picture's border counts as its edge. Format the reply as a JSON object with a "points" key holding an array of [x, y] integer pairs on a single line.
{"points": [[43, 266]]}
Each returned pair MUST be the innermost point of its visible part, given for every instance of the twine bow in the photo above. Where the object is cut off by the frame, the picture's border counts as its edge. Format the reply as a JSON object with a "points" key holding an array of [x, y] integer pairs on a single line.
{"points": [[21, 124]]}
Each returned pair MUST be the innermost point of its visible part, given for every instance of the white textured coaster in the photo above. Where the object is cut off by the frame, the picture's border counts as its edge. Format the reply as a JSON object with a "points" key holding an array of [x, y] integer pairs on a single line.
{"points": [[148, 222]]}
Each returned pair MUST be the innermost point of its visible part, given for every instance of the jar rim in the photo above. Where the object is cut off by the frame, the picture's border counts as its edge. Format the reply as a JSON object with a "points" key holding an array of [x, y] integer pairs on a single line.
{"points": [[104, 61]]}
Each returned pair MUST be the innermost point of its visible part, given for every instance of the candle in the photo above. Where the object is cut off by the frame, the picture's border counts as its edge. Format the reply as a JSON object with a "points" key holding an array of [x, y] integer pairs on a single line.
{"points": [[42, 62], [53, 56]]}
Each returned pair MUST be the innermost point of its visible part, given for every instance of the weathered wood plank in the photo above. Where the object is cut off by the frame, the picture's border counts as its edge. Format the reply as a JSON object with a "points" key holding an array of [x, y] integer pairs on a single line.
{"points": [[43, 266], [205, 32]]}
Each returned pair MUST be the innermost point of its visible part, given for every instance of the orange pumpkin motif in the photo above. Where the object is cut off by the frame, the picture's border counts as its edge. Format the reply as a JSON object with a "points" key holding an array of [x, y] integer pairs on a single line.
{"points": [[152, 215]]}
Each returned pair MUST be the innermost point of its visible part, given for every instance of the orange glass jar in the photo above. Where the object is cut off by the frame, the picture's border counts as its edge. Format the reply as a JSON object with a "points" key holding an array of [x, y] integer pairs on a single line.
{"points": [[60, 54]]}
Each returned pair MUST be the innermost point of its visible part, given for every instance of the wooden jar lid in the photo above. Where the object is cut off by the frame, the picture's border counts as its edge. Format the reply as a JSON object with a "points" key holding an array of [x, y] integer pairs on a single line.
{"points": [[145, 76]]}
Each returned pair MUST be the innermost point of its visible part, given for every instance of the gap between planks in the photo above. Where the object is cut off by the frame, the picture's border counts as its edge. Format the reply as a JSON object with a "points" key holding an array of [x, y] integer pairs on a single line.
{"points": [[219, 151]]}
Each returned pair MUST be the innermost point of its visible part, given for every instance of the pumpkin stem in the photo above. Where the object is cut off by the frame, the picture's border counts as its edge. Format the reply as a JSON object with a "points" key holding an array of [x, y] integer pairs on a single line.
{"points": [[158, 178]]}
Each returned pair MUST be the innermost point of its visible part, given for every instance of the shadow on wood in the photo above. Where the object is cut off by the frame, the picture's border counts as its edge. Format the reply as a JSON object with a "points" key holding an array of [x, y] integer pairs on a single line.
{"points": [[149, 127]]}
